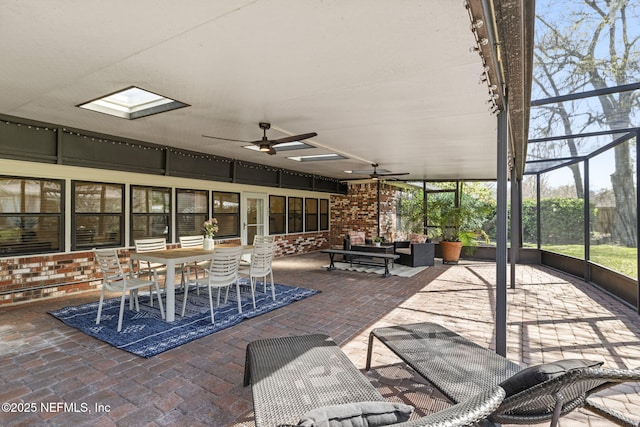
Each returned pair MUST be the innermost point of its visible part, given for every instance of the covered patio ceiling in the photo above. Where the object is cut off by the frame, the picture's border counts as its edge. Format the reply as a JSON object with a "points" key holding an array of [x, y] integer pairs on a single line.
{"points": [[393, 83]]}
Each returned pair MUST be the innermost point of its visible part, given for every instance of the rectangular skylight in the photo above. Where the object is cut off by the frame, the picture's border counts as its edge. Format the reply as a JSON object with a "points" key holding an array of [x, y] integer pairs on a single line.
{"points": [[132, 103], [317, 157]]}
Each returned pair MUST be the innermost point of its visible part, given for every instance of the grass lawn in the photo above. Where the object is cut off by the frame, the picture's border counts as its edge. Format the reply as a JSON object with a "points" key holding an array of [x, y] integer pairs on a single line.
{"points": [[621, 259]]}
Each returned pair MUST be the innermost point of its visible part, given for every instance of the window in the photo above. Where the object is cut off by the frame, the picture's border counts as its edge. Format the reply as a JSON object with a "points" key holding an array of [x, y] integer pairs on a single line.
{"points": [[98, 215], [324, 214], [150, 212], [192, 211], [277, 214], [311, 214], [226, 209], [31, 215], [295, 214]]}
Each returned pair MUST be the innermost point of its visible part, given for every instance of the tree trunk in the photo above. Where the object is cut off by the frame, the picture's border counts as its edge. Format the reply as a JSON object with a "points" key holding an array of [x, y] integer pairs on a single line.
{"points": [[624, 229]]}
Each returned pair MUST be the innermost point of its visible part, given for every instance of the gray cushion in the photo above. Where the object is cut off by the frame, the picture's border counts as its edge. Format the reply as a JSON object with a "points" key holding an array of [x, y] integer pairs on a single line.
{"points": [[537, 374], [360, 414]]}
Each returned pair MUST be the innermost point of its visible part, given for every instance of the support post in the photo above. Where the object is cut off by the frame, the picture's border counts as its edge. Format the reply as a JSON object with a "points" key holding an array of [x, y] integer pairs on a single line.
{"points": [[501, 235]]}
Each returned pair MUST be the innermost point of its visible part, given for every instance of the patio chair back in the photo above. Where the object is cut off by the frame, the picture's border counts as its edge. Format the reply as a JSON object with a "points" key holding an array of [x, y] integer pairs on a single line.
{"points": [[223, 270], [191, 241], [263, 239], [149, 245], [112, 274], [115, 280], [552, 399], [261, 261]]}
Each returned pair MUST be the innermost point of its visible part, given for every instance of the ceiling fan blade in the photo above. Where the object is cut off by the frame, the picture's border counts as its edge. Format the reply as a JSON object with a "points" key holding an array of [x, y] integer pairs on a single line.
{"points": [[393, 174], [224, 139], [293, 138]]}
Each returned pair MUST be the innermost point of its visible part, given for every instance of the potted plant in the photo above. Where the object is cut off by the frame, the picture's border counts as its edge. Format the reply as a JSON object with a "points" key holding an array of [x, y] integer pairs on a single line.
{"points": [[378, 240], [459, 227]]}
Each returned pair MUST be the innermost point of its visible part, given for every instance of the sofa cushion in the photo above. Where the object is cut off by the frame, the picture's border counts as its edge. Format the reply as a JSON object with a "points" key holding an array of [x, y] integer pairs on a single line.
{"points": [[404, 251], [358, 414], [357, 237], [538, 374], [418, 238]]}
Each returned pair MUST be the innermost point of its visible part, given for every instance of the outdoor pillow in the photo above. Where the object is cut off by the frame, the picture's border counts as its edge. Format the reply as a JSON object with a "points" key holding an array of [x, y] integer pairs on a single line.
{"points": [[418, 238], [538, 374], [358, 414], [357, 237]]}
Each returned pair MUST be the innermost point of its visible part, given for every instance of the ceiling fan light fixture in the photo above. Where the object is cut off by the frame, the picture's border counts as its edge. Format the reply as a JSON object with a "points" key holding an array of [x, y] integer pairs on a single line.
{"points": [[265, 148]]}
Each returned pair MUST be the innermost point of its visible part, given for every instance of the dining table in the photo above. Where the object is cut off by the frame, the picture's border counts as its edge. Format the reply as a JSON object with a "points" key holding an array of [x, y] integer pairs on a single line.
{"points": [[172, 258]]}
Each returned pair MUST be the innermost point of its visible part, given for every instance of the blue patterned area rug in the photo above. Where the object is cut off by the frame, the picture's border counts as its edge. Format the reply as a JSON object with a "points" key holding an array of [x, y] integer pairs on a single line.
{"points": [[145, 334]]}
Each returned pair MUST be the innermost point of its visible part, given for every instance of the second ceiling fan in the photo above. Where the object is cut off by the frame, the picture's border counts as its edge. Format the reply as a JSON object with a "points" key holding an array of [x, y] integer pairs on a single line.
{"points": [[265, 144], [375, 175]]}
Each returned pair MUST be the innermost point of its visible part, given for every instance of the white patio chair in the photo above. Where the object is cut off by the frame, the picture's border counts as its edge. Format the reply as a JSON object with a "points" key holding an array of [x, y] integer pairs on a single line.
{"points": [[150, 268], [193, 242], [263, 239], [115, 280], [260, 267], [222, 273]]}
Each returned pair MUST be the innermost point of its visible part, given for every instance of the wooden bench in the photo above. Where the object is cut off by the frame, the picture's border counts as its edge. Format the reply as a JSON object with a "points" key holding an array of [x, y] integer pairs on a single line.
{"points": [[356, 256]]}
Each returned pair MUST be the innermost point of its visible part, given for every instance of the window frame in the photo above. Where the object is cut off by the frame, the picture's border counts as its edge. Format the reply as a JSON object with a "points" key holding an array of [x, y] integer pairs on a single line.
{"points": [[11, 251], [218, 216], [133, 215], [179, 215], [280, 216], [291, 221], [75, 215], [311, 219], [323, 203]]}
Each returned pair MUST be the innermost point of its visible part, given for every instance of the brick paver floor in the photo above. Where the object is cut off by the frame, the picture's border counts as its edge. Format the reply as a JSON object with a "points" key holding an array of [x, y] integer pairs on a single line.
{"points": [[83, 381]]}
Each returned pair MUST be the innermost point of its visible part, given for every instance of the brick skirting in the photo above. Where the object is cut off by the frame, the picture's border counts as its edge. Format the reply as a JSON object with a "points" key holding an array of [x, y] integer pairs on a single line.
{"points": [[27, 278]]}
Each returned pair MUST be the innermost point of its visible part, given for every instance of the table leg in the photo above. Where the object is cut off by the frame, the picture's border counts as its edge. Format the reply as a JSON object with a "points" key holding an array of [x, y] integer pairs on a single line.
{"points": [[386, 268], [170, 290], [331, 264]]}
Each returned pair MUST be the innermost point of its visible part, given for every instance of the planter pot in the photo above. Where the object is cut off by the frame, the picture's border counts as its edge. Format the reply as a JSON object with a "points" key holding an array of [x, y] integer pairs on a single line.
{"points": [[450, 252], [377, 244], [207, 244]]}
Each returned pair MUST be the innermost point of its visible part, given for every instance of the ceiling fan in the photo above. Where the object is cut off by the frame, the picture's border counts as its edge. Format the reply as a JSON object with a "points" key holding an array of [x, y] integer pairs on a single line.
{"points": [[375, 175], [265, 144]]}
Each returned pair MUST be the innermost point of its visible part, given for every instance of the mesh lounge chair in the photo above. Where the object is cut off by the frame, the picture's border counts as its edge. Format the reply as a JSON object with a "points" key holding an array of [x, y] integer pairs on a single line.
{"points": [[555, 397], [460, 368], [291, 376]]}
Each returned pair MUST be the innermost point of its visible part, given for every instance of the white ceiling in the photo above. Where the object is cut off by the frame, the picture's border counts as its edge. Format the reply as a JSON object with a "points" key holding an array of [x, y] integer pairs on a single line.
{"points": [[391, 82]]}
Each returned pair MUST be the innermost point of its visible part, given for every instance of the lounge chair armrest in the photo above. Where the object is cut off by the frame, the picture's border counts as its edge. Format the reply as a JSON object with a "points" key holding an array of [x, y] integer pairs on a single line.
{"points": [[465, 413]]}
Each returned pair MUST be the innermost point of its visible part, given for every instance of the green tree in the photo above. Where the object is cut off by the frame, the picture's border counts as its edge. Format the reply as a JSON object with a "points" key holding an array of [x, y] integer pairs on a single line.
{"points": [[583, 45]]}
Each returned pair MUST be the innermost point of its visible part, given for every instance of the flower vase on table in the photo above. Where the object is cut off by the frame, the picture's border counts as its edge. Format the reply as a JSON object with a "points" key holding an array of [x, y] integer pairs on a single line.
{"points": [[208, 243], [210, 227]]}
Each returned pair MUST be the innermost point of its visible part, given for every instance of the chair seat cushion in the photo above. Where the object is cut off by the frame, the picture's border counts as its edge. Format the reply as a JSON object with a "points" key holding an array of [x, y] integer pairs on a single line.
{"points": [[538, 374], [405, 251], [358, 414]]}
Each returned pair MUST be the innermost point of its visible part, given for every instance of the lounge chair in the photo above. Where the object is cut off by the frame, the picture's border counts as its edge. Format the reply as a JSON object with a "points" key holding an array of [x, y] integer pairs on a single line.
{"points": [[459, 368], [296, 378]]}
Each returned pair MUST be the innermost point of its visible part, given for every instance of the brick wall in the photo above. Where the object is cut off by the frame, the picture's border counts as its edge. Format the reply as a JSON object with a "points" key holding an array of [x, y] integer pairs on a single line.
{"points": [[358, 211], [29, 278]]}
